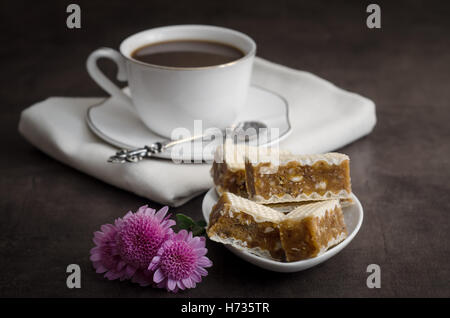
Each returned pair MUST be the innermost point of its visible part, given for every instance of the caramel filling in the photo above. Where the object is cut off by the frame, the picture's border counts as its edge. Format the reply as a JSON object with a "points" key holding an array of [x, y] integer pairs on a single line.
{"points": [[295, 179], [229, 181], [241, 226], [305, 238]]}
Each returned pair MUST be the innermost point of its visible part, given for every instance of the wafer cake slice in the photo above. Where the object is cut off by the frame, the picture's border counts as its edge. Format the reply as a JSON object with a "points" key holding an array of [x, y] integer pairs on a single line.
{"points": [[293, 178], [246, 225], [311, 229]]}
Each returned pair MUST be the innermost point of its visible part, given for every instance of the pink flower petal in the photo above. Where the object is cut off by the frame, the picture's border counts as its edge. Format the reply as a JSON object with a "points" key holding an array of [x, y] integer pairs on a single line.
{"points": [[154, 263], [204, 262], [111, 275], [193, 240], [162, 213], [99, 234], [202, 271], [97, 240], [168, 223], [180, 285], [158, 276], [142, 209], [196, 277], [95, 250], [121, 265], [171, 284], [201, 251], [118, 222], [187, 282], [95, 257], [181, 235], [99, 269], [128, 215], [130, 270]]}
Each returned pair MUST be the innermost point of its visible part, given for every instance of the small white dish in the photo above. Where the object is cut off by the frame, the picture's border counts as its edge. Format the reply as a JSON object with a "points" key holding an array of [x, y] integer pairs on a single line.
{"points": [[120, 126], [353, 217]]}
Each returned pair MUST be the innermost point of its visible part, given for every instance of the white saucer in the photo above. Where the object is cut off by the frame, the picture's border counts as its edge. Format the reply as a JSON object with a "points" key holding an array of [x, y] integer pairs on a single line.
{"points": [[120, 126], [353, 217]]}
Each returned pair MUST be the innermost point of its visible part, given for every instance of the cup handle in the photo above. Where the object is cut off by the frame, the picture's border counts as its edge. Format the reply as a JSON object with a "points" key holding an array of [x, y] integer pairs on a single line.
{"points": [[100, 78]]}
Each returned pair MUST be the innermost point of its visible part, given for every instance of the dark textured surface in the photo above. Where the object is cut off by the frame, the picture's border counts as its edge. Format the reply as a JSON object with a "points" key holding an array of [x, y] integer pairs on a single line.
{"points": [[400, 172]]}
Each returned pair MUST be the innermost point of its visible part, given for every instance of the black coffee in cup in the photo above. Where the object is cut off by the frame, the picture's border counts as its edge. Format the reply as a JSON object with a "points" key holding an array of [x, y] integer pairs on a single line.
{"points": [[187, 53]]}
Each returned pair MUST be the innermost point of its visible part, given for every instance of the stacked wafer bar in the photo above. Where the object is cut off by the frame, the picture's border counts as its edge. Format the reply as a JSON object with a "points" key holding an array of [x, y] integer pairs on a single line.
{"points": [[279, 177], [296, 178], [307, 231]]}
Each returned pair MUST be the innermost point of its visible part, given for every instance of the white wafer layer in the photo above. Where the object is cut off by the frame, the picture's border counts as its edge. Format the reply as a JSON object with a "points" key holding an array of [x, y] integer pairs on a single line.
{"points": [[314, 196], [260, 213], [281, 159], [316, 209]]}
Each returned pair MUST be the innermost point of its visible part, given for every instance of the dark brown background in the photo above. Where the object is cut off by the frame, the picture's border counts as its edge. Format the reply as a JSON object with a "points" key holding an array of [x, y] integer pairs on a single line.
{"points": [[400, 172]]}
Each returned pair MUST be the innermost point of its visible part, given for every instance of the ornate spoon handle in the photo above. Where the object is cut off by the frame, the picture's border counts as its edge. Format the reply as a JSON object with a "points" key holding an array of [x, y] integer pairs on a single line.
{"points": [[136, 155]]}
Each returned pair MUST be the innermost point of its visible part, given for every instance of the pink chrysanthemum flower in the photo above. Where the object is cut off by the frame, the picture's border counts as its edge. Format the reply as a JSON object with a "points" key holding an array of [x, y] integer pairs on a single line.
{"points": [[139, 237], [180, 262], [105, 255]]}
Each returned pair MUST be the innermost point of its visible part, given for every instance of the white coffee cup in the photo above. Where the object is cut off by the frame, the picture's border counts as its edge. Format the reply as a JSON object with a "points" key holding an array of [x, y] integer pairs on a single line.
{"points": [[165, 97]]}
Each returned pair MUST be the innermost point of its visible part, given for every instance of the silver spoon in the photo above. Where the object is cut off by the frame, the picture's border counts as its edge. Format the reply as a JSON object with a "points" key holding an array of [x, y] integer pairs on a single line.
{"points": [[243, 131]]}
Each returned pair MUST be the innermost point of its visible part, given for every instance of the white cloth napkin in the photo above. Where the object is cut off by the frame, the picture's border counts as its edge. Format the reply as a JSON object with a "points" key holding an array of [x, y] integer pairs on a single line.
{"points": [[323, 118]]}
